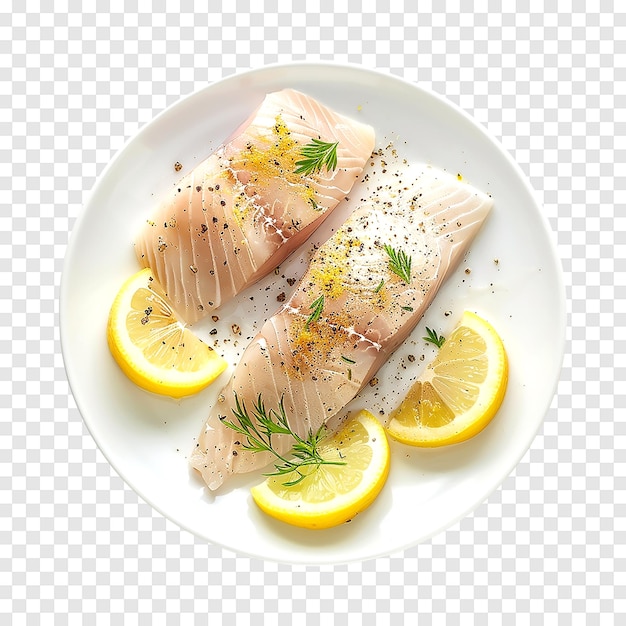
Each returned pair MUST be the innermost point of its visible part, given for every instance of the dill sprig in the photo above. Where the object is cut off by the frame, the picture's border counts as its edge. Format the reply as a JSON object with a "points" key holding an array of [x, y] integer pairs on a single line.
{"points": [[433, 337], [259, 428], [317, 306], [399, 263], [317, 155]]}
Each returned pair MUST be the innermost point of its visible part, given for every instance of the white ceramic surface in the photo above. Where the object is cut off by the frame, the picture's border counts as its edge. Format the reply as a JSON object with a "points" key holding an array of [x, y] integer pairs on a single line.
{"points": [[147, 438]]}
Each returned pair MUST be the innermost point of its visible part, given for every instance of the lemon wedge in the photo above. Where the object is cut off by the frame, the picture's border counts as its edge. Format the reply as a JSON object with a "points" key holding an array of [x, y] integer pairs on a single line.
{"points": [[152, 347], [459, 392], [332, 494]]}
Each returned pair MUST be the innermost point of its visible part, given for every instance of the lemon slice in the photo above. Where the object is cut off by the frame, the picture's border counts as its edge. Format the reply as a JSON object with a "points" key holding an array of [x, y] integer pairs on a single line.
{"points": [[459, 392], [153, 348], [332, 494]]}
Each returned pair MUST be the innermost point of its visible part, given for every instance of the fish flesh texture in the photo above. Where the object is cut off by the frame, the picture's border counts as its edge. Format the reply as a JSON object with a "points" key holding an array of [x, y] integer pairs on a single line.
{"points": [[244, 209], [348, 313], [352, 308]]}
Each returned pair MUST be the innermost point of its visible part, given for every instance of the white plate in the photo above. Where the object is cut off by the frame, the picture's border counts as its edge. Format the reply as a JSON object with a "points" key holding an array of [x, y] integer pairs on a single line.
{"points": [[147, 438]]}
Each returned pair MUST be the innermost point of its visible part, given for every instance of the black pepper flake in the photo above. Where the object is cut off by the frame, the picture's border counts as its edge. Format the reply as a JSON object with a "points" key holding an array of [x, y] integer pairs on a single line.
{"points": [[198, 188], [215, 220]]}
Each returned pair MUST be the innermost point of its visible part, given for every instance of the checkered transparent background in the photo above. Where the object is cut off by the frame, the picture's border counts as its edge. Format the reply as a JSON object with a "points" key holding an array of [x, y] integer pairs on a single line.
{"points": [[78, 545]]}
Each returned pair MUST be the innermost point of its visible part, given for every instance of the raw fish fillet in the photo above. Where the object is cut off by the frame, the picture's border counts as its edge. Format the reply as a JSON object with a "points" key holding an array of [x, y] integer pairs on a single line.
{"points": [[243, 210], [318, 365]]}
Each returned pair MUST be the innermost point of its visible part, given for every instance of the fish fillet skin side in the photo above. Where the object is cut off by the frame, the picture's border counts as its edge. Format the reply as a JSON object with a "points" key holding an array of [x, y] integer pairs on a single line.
{"points": [[243, 210], [317, 366]]}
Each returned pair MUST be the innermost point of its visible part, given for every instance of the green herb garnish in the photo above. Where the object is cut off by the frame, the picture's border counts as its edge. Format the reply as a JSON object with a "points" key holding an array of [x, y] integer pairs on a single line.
{"points": [[258, 431], [347, 360], [317, 307], [433, 337], [317, 155], [380, 285], [399, 263]]}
